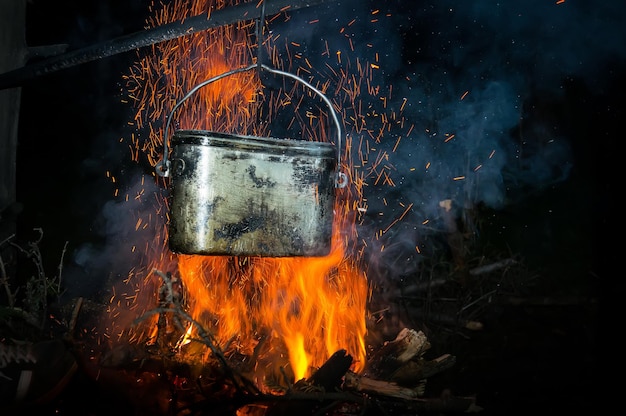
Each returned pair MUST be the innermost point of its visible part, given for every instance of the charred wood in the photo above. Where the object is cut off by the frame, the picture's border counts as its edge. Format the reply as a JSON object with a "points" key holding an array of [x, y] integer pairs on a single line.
{"points": [[408, 344], [411, 397], [330, 375], [413, 372]]}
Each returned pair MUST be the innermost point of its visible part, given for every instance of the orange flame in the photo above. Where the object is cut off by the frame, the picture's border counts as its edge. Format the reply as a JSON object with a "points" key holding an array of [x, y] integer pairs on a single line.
{"points": [[310, 307], [314, 306]]}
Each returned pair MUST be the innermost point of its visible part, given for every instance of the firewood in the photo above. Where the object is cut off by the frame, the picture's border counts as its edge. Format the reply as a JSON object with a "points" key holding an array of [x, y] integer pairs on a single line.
{"points": [[445, 403], [408, 344], [329, 375], [385, 388], [414, 372]]}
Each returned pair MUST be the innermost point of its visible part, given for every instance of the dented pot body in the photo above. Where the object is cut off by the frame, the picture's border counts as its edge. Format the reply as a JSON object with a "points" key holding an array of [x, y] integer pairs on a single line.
{"points": [[251, 196]]}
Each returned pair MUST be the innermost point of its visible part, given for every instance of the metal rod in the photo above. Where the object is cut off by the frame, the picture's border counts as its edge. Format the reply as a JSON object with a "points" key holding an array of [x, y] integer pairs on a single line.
{"points": [[222, 17]]}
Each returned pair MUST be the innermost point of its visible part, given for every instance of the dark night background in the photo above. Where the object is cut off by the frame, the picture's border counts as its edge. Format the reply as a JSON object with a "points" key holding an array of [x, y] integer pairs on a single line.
{"points": [[546, 84]]}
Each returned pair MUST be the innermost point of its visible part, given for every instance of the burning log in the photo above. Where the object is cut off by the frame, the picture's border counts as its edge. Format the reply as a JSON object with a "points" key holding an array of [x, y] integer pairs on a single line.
{"points": [[333, 385], [394, 376], [397, 372], [170, 386], [329, 375]]}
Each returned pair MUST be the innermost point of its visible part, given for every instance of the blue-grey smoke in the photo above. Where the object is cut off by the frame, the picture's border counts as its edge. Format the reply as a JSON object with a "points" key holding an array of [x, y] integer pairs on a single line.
{"points": [[471, 74], [467, 76]]}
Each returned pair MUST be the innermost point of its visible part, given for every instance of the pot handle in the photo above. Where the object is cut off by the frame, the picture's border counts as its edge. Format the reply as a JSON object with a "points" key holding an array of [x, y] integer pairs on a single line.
{"points": [[162, 167]]}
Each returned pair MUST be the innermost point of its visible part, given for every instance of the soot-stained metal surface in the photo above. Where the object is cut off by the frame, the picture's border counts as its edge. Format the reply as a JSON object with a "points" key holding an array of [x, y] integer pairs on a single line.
{"points": [[251, 196]]}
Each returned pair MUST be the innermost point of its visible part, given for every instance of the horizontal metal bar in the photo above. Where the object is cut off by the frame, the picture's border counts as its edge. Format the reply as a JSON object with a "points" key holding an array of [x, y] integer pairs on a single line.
{"points": [[238, 13]]}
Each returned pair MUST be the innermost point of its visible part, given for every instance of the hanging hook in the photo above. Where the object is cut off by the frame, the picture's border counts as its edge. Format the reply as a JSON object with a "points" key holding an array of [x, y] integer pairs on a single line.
{"points": [[260, 24]]}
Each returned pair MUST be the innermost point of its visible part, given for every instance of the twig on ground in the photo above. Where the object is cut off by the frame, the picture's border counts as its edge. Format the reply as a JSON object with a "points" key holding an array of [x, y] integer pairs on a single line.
{"points": [[488, 268]]}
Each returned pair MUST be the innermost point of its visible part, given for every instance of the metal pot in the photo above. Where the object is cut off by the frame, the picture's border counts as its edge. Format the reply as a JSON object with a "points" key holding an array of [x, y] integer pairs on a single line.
{"points": [[251, 196]]}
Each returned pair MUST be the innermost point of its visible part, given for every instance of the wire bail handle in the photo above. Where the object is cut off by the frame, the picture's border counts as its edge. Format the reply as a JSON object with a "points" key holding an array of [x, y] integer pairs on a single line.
{"points": [[162, 167]]}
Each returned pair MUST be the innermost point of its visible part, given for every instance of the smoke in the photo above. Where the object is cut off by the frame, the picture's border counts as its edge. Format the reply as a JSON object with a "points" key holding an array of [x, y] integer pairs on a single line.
{"points": [[471, 78], [467, 76], [128, 227]]}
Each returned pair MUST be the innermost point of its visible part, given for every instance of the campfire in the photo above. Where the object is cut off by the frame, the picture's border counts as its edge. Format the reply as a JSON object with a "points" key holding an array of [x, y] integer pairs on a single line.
{"points": [[308, 306], [404, 189], [259, 334], [270, 327]]}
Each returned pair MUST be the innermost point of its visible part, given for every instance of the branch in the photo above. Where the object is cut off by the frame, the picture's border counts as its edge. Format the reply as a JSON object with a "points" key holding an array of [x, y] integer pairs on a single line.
{"points": [[206, 337], [492, 267], [4, 278]]}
